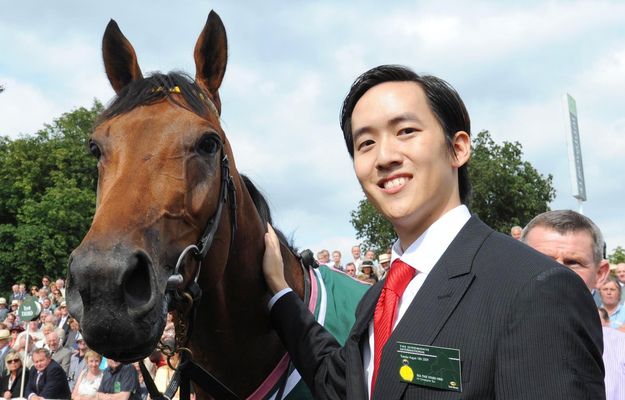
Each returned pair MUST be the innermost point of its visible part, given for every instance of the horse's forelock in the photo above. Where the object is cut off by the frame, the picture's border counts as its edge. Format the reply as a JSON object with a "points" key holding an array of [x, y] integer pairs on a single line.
{"points": [[155, 88]]}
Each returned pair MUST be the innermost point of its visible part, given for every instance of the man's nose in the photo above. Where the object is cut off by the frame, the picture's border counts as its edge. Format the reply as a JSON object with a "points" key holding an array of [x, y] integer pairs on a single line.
{"points": [[389, 151]]}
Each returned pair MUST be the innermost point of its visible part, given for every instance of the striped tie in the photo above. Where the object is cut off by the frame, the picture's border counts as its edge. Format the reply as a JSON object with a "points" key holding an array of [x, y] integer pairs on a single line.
{"points": [[399, 276]]}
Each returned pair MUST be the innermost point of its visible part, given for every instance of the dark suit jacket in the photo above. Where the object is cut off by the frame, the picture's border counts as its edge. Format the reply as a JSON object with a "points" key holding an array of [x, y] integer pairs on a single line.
{"points": [[15, 389], [52, 385], [526, 328]]}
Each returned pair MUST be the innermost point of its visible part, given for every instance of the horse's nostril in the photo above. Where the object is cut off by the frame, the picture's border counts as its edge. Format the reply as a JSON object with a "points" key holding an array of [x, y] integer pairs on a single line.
{"points": [[137, 284]]}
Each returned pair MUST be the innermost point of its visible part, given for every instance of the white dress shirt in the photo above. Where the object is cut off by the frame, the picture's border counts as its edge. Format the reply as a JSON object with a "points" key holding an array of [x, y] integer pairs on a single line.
{"points": [[422, 255]]}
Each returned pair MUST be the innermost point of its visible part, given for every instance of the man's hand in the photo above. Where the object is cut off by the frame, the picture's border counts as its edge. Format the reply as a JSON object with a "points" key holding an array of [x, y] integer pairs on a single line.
{"points": [[273, 266]]}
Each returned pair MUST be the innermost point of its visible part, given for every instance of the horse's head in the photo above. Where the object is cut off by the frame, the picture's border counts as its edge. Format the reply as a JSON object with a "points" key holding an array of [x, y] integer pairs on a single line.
{"points": [[160, 149]]}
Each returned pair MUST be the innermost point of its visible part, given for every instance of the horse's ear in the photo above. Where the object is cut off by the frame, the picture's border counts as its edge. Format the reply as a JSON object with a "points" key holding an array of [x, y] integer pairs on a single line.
{"points": [[211, 54], [120, 60]]}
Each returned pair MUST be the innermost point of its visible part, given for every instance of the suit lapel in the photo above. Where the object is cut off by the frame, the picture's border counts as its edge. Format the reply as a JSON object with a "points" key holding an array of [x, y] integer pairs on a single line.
{"points": [[434, 303]]}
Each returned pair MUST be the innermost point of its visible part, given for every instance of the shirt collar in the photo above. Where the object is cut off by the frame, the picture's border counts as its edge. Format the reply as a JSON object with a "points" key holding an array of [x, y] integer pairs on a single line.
{"points": [[425, 252]]}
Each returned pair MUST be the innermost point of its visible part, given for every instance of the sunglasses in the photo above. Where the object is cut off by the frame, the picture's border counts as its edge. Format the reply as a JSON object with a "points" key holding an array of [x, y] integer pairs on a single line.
{"points": [[13, 360]]}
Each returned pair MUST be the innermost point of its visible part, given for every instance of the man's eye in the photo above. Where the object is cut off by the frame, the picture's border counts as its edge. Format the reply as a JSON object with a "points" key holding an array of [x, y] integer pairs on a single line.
{"points": [[406, 131], [365, 144]]}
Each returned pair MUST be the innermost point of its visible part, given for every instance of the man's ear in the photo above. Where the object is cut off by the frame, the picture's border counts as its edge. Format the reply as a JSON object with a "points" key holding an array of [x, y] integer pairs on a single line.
{"points": [[602, 273], [461, 143]]}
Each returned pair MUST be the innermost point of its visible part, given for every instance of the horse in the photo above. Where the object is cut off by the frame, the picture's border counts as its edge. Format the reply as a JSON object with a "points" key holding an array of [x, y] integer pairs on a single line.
{"points": [[176, 227]]}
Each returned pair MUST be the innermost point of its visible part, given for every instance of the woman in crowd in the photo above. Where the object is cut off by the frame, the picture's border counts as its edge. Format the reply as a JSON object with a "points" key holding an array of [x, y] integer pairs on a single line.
{"points": [[11, 384], [89, 380], [34, 291], [367, 272]]}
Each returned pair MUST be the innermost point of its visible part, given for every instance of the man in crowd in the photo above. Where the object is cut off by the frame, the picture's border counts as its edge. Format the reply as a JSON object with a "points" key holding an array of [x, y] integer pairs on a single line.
{"points": [[46, 380], [77, 362], [356, 254], [45, 283], [5, 336], [4, 311], [409, 139], [384, 263], [619, 271], [63, 321], [120, 382], [515, 232], [611, 295], [22, 291], [60, 354], [613, 358], [571, 239], [350, 269], [336, 260], [16, 293]]}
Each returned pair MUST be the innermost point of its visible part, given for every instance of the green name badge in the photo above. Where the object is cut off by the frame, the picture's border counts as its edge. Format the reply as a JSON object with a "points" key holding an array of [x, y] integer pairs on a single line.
{"points": [[437, 367]]}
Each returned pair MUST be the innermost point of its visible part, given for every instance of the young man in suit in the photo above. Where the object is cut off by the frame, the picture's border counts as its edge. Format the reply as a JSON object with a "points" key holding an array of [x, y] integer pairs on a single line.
{"points": [[46, 379], [495, 318]]}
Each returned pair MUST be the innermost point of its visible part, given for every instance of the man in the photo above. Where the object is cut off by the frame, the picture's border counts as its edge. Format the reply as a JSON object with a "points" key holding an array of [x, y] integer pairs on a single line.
{"points": [[326, 257], [613, 358], [62, 355], [409, 138], [356, 255], [77, 362], [46, 380], [120, 382], [619, 271], [22, 291], [4, 311], [63, 321], [384, 263], [61, 286], [515, 232], [336, 260], [45, 283], [611, 295], [46, 306], [350, 269], [5, 336], [571, 239], [16, 293], [43, 294]]}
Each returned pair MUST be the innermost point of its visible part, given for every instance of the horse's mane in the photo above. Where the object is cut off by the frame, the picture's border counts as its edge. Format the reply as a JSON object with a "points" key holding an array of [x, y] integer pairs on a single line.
{"points": [[263, 210], [153, 89]]}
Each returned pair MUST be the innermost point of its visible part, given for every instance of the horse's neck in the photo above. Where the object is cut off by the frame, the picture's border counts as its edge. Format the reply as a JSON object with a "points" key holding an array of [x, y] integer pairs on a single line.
{"points": [[235, 321]]}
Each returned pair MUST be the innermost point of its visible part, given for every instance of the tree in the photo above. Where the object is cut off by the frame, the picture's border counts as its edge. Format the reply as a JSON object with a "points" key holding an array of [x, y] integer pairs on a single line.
{"points": [[618, 256], [47, 197], [507, 191]]}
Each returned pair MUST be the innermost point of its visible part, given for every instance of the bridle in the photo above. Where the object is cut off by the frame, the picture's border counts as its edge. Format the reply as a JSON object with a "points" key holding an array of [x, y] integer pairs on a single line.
{"points": [[186, 299]]}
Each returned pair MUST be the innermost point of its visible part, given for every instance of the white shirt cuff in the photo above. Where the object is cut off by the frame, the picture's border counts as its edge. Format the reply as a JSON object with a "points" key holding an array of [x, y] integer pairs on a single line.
{"points": [[277, 296]]}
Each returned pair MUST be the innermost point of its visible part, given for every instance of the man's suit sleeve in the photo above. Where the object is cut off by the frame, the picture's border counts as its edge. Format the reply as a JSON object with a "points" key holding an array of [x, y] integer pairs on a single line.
{"points": [[551, 346], [315, 353], [30, 384]]}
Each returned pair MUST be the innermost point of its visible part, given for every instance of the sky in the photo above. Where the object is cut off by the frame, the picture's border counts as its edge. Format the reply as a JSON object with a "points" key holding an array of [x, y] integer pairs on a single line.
{"points": [[292, 63]]}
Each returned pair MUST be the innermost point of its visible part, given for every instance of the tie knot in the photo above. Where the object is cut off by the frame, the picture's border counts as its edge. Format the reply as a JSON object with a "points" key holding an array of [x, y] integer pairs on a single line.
{"points": [[399, 276]]}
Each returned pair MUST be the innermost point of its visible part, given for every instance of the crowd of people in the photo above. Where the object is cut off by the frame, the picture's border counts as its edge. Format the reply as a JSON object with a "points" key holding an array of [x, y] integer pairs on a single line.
{"points": [[58, 363]]}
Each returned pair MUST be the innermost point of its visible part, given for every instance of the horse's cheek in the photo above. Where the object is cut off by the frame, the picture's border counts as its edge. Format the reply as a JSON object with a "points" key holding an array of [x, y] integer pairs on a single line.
{"points": [[199, 195]]}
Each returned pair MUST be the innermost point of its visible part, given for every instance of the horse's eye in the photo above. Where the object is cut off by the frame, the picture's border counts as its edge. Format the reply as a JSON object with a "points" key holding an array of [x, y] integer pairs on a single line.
{"points": [[208, 145], [95, 150]]}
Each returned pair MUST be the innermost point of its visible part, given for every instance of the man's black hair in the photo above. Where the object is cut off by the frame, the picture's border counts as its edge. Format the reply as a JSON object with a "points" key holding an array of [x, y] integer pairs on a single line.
{"points": [[442, 99]]}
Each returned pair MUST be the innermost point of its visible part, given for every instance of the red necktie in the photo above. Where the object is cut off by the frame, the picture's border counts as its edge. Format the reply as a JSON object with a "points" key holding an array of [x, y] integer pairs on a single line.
{"points": [[399, 276]]}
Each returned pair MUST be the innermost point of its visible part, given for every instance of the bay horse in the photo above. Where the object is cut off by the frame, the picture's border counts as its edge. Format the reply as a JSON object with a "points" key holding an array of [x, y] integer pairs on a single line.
{"points": [[172, 211]]}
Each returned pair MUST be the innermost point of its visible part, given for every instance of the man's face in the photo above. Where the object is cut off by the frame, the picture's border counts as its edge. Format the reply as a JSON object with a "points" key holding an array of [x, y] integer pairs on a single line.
{"points": [[64, 311], [386, 265], [112, 363], [59, 283], [336, 257], [43, 292], [34, 325], [15, 288], [516, 233], [351, 270], [370, 255], [573, 249], [45, 281], [22, 288], [356, 252], [41, 361], [53, 341], [82, 346], [400, 157], [46, 303], [620, 272], [609, 294]]}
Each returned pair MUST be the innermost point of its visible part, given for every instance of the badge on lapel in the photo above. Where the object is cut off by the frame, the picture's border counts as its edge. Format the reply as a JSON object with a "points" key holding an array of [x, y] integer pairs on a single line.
{"points": [[432, 366]]}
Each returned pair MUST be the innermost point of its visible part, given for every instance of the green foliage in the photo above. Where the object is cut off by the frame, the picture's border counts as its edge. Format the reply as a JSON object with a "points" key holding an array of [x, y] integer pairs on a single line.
{"points": [[507, 191], [618, 256], [370, 225], [47, 197]]}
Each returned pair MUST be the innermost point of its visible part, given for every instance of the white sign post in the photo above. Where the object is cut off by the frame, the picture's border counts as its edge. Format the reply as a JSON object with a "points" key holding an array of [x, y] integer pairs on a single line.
{"points": [[574, 146]]}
